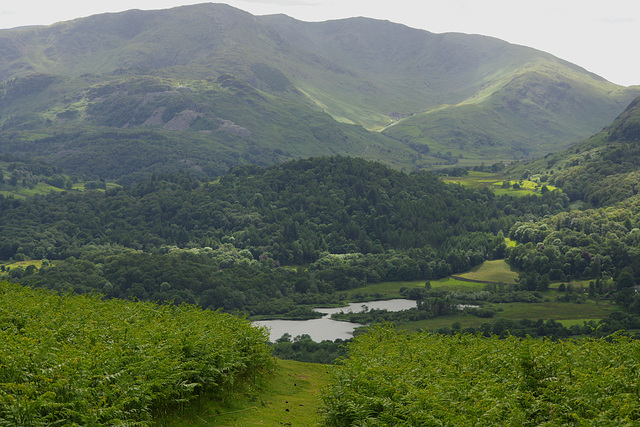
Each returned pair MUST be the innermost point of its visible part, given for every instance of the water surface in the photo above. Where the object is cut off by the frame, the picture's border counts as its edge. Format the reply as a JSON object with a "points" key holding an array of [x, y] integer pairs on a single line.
{"points": [[326, 328]]}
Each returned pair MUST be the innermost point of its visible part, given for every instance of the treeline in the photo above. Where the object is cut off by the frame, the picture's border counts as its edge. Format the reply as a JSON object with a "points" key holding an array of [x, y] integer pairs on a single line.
{"points": [[75, 360], [340, 222], [552, 329], [302, 348], [18, 172]]}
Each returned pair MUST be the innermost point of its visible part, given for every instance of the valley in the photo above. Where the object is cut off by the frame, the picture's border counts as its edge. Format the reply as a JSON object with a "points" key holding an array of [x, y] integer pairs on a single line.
{"points": [[169, 179]]}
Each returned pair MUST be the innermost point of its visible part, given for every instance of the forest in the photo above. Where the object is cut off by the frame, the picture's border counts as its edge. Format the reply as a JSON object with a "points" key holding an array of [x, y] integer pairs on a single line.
{"points": [[260, 240]]}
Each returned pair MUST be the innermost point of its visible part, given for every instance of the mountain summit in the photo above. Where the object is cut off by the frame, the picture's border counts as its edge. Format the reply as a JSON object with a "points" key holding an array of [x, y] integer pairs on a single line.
{"points": [[264, 89]]}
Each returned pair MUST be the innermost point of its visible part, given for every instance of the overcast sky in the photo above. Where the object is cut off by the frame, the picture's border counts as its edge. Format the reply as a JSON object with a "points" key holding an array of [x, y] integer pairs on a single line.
{"points": [[599, 35]]}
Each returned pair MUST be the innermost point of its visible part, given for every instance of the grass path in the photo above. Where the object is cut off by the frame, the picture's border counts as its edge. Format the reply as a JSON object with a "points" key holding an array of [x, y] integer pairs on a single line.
{"points": [[290, 398]]}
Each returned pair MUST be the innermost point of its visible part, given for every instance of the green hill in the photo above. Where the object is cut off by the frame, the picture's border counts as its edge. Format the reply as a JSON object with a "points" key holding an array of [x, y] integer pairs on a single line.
{"points": [[208, 86], [128, 127]]}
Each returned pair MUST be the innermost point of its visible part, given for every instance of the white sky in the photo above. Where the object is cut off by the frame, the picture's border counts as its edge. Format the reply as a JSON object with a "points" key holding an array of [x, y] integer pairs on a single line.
{"points": [[599, 35]]}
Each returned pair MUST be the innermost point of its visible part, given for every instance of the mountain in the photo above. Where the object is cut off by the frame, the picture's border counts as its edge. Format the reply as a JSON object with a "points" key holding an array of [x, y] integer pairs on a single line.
{"points": [[472, 95], [208, 86]]}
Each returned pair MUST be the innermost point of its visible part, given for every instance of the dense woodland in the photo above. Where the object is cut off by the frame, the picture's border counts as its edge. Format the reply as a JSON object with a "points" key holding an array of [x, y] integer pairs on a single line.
{"points": [[262, 241]]}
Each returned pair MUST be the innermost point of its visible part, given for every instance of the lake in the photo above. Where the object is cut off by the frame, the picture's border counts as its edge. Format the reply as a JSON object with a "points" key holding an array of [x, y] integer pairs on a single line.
{"points": [[326, 328]]}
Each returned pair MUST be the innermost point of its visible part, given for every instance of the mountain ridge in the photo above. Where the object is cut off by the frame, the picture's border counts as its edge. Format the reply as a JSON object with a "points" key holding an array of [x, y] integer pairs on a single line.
{"points": [[436, 98]]}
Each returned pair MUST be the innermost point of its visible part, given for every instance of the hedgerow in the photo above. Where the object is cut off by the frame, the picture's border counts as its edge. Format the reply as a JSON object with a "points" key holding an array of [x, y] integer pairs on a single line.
{"points": [[77, 360], [394, 378]]}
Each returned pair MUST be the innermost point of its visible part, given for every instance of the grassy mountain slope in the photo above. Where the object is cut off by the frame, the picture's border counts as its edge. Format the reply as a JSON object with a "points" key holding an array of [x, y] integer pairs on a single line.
{"points": [[472, 95], [539, 108], [261, 89]]}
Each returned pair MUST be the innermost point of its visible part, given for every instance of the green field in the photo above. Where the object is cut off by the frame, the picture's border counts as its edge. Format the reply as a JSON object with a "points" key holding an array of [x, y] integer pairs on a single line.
{"points": [[23, 192], [554, 310], [496, 182], [388, 290], [383, 290], [19, 264], [497, 271]]}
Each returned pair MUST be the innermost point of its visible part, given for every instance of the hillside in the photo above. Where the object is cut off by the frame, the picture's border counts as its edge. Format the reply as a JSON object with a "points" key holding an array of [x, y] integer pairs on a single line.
{"points": [[600, 171], [72, 360], [392, 378], [126, 128], [475, 96], [208, 86]]}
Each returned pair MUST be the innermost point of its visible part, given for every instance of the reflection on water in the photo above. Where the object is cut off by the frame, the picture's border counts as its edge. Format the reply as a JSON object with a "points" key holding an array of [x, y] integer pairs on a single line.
{"points": [[327, 329]]}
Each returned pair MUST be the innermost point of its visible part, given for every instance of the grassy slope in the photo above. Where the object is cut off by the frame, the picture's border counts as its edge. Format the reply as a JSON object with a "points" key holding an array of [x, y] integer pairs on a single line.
{"points": [[497, 271], [276, 128], [601, 168], [469, 95], [493, 94], [540, 108]]}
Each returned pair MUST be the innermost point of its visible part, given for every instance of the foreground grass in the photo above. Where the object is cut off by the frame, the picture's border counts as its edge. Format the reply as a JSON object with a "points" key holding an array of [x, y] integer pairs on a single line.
{"points": [[78, 360], [291, 397]]}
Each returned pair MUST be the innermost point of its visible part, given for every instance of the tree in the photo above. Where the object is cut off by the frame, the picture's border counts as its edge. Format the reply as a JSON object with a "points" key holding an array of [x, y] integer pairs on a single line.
{"points": [[625, 280]]}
